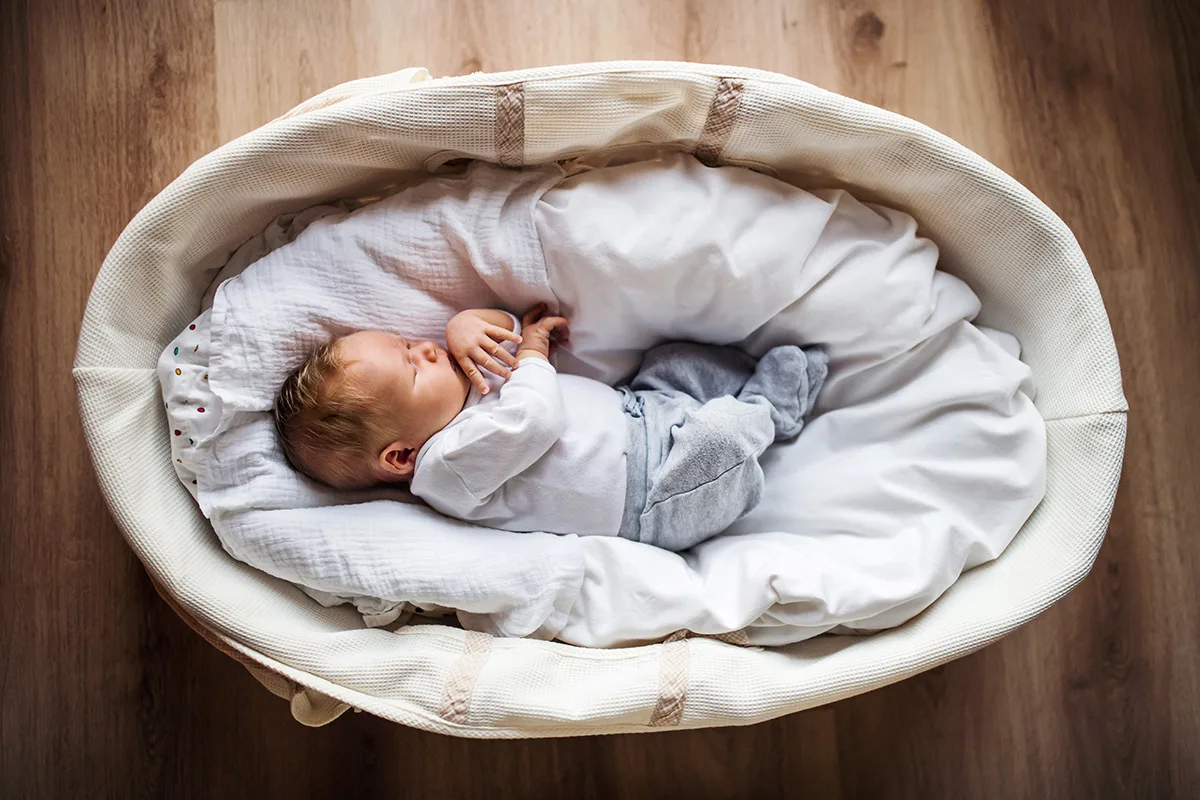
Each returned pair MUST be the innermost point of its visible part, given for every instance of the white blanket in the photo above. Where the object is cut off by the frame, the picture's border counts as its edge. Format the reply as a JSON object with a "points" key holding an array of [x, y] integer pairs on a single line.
{"points": [[924, 459]]}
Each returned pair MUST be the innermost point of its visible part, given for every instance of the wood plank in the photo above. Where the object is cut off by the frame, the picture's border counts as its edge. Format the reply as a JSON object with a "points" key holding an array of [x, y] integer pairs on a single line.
{"points": [[287, 45]]}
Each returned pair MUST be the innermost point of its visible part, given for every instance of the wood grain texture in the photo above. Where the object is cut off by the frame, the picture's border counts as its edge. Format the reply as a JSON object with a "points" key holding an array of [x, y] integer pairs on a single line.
{"points": [[1093, 105]]}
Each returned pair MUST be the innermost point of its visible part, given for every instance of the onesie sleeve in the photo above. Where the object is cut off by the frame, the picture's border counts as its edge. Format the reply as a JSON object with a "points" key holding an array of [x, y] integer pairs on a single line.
{"points": [[522, 424]]}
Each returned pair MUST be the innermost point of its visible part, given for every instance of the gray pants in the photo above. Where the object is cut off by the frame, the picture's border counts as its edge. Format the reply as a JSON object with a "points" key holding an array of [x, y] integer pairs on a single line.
{"points": [[699, 417]]}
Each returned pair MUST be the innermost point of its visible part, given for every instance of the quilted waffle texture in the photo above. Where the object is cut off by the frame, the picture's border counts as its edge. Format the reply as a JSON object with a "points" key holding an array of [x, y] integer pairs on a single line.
{"points": [[360, 138]]}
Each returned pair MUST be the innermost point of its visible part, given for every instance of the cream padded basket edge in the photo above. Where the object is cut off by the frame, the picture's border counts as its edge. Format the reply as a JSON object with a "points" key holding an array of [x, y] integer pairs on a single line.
{"points": [[1019, 258]]}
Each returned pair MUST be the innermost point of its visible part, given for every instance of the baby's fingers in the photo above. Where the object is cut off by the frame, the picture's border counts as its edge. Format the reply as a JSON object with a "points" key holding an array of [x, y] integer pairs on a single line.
{"points": [[497, 351], [500, 334], [488, 362], [473, 374], [550, 323], [533, 315]]}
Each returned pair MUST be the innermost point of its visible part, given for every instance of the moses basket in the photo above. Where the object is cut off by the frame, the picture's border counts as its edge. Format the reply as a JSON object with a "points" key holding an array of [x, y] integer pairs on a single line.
{"points": [[1019, 257]]}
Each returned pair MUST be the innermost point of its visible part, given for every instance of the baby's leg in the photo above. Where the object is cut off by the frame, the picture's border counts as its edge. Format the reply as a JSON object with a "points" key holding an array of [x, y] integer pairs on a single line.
{"points": [[701, 371], [787, 380], [710, 475]]}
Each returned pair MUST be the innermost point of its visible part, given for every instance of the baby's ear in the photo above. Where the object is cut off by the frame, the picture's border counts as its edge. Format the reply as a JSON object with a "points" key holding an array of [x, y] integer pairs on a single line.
{"points": [[397, 461]]}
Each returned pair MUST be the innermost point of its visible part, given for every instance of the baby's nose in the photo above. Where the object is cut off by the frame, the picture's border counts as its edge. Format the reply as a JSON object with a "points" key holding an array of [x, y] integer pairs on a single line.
{"points": [[427, 351]]}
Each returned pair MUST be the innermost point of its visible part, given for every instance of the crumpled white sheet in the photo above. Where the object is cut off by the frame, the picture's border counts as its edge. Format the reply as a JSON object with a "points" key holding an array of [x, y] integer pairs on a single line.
{"points": [[925, 454], [924, 459]]}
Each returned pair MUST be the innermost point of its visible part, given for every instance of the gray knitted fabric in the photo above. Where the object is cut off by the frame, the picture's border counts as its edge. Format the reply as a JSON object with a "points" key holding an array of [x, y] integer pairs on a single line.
{"points": [[699, 417]]}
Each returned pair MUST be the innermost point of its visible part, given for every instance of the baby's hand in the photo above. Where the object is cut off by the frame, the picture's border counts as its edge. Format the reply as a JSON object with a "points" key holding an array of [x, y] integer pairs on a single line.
{"points": [[541, 333], [474, 341]]}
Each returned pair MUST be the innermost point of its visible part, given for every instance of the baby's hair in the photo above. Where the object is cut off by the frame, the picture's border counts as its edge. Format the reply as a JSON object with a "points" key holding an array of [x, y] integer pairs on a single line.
{"points": [[325, 423]]}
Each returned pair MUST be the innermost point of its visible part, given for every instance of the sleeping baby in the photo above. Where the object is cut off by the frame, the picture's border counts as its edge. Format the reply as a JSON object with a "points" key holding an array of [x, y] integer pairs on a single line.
{"points": [[486, 430]]}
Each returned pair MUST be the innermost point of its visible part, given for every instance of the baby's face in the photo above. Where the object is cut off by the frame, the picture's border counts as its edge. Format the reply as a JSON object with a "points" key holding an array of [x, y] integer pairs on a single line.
{"points": [[417, 382]]}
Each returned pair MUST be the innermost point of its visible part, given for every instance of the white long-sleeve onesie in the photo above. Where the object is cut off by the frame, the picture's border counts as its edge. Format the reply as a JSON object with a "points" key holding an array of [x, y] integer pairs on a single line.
{"points": [[540, 452]]}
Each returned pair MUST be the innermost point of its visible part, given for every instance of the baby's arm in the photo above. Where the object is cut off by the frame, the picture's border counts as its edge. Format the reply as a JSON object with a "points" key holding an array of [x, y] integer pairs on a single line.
{"points": [[475, 339], [526, 420]]}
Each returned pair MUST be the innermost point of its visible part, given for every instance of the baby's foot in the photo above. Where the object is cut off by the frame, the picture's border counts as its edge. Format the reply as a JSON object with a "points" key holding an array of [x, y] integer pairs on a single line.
{"points": [[788, 378]]}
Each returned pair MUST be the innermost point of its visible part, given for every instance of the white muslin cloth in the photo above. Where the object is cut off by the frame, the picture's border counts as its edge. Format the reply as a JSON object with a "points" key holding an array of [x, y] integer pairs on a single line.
{"points": [[924, 457]]}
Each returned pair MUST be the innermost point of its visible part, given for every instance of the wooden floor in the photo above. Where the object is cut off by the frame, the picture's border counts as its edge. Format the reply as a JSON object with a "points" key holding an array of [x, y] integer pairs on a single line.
{"points": [[1093, 104]]}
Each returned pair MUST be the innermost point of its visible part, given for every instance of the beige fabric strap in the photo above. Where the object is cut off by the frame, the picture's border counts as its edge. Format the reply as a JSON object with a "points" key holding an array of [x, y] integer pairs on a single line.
{"points": [[460, 685], [672, 681], [719, 124], [510, 124], [739, 638]]}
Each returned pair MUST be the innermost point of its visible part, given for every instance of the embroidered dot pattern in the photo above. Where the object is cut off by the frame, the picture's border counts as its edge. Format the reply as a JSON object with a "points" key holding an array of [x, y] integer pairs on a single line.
{"points": [[199, 410]]}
